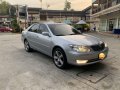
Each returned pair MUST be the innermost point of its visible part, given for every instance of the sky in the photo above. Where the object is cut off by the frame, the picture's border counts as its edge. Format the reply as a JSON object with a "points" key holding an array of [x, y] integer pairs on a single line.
{"points": [[54, 4]]}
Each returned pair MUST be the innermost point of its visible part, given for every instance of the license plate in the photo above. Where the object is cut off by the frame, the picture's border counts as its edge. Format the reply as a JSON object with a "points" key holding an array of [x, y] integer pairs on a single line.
{"points": [[102, 56]]}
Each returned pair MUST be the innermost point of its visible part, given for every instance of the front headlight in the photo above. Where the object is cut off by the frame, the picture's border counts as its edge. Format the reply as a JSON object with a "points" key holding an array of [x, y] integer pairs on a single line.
{"points": [[106, 45], [80, 48]]}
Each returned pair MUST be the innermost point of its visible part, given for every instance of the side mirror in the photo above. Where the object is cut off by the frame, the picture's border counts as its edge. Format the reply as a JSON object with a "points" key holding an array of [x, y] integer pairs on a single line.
{"points": [[46, 34]]}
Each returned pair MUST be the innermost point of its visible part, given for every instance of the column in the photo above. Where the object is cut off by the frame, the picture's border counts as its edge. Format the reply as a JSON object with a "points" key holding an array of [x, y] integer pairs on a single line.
{"points": [[117, 23], [107, 3], [92, 7], [106, 26], [98, 5]]}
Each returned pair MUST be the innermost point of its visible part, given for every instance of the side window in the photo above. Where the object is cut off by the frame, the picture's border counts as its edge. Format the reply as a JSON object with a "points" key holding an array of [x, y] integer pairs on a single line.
{"points": [[43, 28], [34, 28], [39, 30]]}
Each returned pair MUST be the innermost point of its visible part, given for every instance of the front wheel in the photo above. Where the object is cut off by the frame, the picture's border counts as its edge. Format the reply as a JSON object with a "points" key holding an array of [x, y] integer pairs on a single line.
{"points": [[27, 46], [59, 58]]}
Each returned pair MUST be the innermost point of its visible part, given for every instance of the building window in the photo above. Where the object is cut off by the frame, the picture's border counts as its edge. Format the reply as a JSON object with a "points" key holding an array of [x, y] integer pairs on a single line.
{"points": [[103, 25], [119, 23]]}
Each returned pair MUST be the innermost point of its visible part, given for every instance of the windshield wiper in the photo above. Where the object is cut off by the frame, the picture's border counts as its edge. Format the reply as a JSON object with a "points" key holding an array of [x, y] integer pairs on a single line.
{"points": [[72, 34], [60, 35]]}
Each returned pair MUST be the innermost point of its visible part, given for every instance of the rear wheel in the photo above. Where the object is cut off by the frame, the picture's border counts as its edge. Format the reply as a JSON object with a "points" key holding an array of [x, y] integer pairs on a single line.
{"points": [[59, 58], [27, 46]]}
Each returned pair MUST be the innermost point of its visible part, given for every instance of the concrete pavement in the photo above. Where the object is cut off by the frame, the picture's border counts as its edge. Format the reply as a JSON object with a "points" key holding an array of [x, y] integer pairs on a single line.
{"points": [[20, 70]]}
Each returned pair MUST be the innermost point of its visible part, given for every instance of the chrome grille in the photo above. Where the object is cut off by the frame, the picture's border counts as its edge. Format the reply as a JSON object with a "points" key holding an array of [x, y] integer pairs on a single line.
{"points": [[98, 47]]}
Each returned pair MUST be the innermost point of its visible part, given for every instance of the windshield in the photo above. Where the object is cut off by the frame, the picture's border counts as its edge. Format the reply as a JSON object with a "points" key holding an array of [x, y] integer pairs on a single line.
{"points": [[63, 29]]}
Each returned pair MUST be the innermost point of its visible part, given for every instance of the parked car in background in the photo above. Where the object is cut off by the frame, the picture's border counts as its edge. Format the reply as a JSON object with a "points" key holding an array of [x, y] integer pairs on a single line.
{"points": [[64, 44], [5, 29]]}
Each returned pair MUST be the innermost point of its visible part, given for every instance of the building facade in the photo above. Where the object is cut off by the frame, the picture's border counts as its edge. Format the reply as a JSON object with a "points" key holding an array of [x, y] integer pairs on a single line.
{"points": [[88, 13], [36, 14], [107, 14], [5, 20], [28, 15]]}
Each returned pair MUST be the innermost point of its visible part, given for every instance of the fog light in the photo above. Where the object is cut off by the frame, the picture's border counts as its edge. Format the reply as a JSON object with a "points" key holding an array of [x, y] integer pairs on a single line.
{"points": [[81, 61]]}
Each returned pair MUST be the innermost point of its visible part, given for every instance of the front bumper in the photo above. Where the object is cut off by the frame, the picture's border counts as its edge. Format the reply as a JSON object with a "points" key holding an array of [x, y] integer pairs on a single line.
{"points": [[91, 57]]}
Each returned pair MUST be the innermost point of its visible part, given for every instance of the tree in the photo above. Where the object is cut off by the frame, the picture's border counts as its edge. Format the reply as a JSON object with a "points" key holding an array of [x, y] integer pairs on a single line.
{"points": [[15, 26], [67, 5], [4, 7], [41, 3], [12, 11], [0, 1], [72, 10]]}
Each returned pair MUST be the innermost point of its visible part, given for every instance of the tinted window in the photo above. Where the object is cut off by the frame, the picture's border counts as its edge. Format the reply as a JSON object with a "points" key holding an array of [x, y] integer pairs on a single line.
{"points": [[63, 29], [43, 28], [34, 28]]}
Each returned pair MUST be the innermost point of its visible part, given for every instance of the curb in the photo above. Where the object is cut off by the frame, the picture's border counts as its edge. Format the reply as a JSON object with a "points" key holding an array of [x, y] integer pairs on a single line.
{"points": [[111, 35]]}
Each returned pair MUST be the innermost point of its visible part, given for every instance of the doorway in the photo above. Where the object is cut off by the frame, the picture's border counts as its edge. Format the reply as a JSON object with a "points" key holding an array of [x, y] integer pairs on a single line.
{"points": [[111, 24]]}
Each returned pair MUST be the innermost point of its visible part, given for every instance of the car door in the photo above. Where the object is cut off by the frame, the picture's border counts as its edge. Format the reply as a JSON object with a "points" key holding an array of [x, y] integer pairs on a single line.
{"points": [[45, 42], [32, 36]]}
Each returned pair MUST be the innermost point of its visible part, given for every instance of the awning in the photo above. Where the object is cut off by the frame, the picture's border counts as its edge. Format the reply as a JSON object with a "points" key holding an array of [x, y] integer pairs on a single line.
{"points": [[81, 22]]}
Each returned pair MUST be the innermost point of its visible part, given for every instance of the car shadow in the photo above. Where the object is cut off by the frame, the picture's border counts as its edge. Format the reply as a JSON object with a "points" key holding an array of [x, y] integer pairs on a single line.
{"points": [[98, 67], [94, 67]]}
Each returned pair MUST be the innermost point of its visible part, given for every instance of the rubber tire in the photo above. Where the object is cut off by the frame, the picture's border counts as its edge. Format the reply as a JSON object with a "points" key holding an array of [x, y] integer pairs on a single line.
{"points": [[29, 49], [65, 64]]}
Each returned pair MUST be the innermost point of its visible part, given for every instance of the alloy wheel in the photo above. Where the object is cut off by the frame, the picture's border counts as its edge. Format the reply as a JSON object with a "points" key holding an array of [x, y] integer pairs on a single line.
{"points": [[26, 45], [59, 58]]}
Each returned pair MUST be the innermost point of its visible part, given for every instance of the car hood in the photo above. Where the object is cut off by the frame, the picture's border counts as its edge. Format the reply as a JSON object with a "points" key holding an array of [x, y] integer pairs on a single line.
{"points": [[82, 39]]}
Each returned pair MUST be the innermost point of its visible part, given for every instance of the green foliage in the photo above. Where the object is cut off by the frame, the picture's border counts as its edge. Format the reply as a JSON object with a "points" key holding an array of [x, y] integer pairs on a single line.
{"points": [[12, 10], [82, 26], [15, 26], [77, 26], [72, 10], [67, 5], [4, 7]]}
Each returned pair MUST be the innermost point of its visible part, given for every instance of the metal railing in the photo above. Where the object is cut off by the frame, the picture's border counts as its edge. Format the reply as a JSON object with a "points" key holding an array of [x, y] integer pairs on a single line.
{"points": [[105, 6]]}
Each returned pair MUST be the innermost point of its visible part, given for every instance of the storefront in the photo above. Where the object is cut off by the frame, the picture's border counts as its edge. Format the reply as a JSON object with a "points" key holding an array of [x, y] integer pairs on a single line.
{"points": [[109, 22], [108, 13], [5, 20]]}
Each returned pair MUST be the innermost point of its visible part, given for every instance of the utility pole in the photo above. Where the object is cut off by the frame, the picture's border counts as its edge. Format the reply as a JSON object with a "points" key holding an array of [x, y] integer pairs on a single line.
{"points": [[40, 9], [41, 3], [17, 14], [10, 15], [26, 16], [47, 5], [66, 8], [60, 17]]}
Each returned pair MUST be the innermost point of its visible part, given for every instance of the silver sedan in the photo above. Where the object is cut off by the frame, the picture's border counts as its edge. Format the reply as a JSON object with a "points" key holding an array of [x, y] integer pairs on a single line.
{"points": [[65, 44]]}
